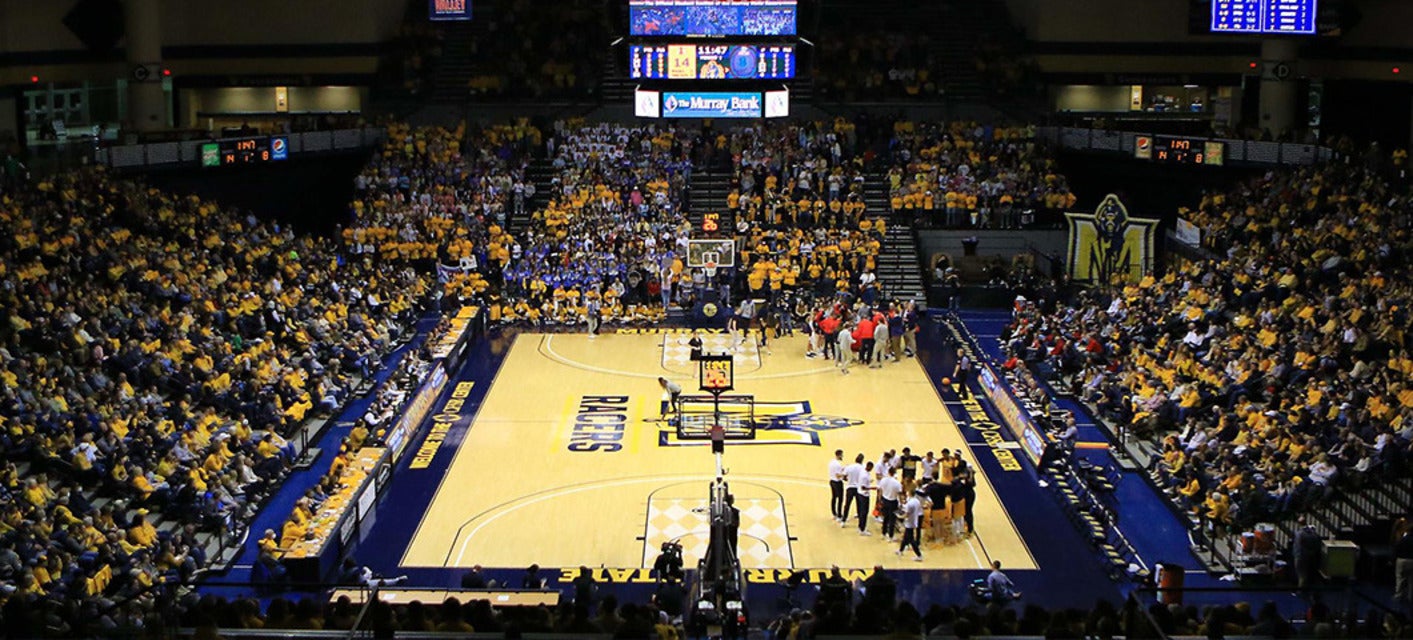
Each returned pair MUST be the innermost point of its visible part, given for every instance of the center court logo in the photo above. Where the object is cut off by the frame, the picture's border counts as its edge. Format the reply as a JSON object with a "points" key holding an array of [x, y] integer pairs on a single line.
{"points": [[776, 423]]}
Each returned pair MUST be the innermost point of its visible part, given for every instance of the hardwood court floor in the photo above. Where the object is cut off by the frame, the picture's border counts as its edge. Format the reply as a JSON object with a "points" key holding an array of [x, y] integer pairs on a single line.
{"points": [[567, 462]]}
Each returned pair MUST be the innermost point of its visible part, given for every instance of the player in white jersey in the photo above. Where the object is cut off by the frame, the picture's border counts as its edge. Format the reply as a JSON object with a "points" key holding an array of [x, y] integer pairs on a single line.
{"points": [[912, 525], [851, 488]]}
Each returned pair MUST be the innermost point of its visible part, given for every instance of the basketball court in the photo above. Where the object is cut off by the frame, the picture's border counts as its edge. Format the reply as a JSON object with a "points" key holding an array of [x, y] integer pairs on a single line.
{"points": [[574, 458]]}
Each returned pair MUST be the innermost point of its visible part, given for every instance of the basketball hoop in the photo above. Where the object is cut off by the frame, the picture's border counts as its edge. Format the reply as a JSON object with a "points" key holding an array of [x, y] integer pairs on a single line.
{"points": [[710, 269]]}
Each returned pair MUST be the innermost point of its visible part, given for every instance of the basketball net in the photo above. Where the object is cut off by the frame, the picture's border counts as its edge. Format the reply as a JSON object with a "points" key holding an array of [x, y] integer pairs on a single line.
{"points": [[710, 269]]}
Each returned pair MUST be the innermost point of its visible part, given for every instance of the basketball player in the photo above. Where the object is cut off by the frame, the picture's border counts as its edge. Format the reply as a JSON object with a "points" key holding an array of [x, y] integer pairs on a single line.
{"points": [[912, 523], [937, 496], [945, 466], [886, 462], [889, 490], [959, 507], [866, 485], [929, 467], [968, 484], [836, 485], [672, 391], [908, 463], [851, 491]]}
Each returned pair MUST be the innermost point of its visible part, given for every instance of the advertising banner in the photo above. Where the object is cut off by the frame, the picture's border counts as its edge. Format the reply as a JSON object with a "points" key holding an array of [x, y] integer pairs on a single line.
{"points": [[1188, 233], [440, 10], [711, 104], [1108, 245]]}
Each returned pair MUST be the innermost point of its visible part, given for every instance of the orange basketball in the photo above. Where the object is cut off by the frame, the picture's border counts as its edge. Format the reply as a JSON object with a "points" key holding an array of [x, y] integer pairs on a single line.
{"points": [[946, 382]]}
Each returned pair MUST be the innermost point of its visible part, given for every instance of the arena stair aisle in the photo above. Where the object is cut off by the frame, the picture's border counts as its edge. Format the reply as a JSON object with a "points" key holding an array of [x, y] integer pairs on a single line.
{"points": [[954, 38], [708, 194], [876, 195], [616, 88], [451, 80], [539, 173], [899, 271]]}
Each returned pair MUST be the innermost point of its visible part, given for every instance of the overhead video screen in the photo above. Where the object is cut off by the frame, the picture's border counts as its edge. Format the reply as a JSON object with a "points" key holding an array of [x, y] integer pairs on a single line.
{"points": [[712, 18], [711, 62], [1271, 17]]}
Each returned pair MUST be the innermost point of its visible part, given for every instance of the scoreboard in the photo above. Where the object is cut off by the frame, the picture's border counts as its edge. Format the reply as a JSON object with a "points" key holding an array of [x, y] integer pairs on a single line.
{"points": [[1180, 150], [1272, 17], [712, 62], [716, 373], [712, 58], [254, 150]]}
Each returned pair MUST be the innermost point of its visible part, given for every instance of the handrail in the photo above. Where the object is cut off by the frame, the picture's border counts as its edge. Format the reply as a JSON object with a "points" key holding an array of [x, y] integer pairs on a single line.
{"points": [[368, 603], [1147, 615]]}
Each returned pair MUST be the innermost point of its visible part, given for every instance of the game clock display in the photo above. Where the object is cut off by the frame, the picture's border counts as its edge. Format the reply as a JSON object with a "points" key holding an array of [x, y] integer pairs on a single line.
{"points": [[1175, 150], [717, 373], [712, 62], [718, 224], [244, 151]]}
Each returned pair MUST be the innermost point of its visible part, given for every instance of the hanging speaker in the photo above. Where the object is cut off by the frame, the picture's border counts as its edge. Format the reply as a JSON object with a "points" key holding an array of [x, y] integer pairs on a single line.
{"points": [[98, 24]]}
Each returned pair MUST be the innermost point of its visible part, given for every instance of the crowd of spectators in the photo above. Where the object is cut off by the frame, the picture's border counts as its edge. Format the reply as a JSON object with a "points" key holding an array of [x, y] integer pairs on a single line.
{"points": [[797, 200], [1003, 70], [612, 235], [881, 64], [412, 56], [866, 607], [968, 174], [1275, 373], [610, 232], [612, 228], [526, 52], [439, 194], [155, 354]]}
